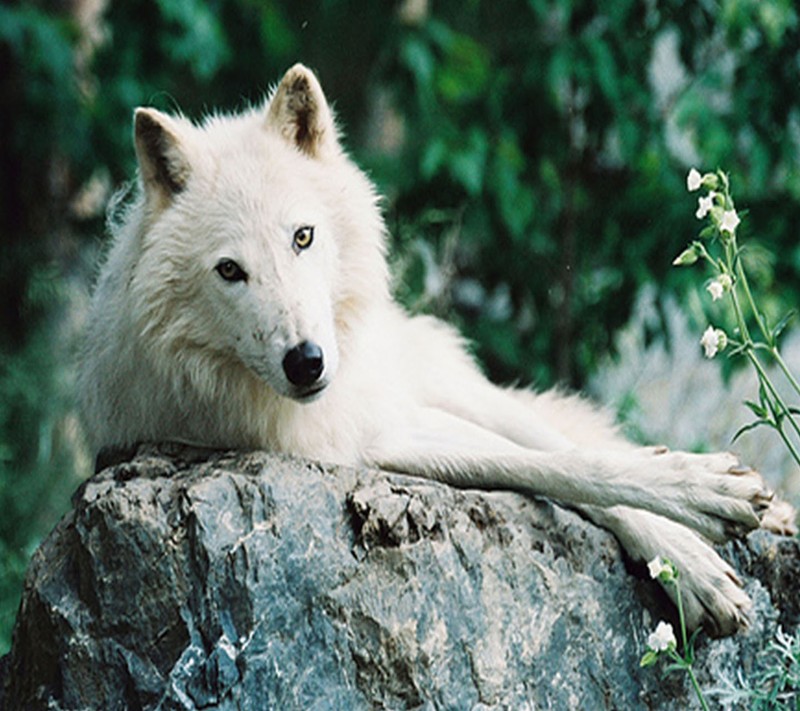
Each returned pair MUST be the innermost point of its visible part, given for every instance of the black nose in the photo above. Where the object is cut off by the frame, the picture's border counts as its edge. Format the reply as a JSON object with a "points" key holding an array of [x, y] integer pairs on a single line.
{"points": [[303, 364]]}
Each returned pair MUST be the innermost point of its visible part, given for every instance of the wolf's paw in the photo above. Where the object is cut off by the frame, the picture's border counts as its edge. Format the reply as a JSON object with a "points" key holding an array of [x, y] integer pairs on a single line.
{"points": [[712, 493], [781, 518], [711, 593]]}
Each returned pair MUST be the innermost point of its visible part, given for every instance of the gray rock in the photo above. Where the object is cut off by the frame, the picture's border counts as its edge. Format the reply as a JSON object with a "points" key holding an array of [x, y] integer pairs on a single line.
{"points": [[188, 580]]}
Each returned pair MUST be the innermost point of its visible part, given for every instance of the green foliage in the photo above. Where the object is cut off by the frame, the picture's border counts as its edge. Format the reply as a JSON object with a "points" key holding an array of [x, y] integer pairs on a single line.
{"points": [[559, 144], [775, 682], [778, 682]]}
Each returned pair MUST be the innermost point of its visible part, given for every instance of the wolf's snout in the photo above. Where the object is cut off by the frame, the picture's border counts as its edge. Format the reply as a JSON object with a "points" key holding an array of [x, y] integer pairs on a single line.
{"points": [[303, 364]]}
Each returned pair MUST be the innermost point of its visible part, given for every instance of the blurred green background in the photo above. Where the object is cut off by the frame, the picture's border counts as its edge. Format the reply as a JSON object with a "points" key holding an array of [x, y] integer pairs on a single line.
{"points": [[533, 155]]}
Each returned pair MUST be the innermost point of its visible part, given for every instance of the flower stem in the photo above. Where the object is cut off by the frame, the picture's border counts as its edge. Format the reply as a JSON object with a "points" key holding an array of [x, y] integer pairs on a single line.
{"points": [[768, 337], [679, 603], [749, 294], [737, 308], [685, 661], [772, 390], [785, 368], [778, 403], [733, 261], [696, 687]]}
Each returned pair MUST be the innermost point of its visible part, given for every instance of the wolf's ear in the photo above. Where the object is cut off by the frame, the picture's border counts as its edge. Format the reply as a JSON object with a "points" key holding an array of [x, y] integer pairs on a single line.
{"points": [[298, 110], [162, 159]]}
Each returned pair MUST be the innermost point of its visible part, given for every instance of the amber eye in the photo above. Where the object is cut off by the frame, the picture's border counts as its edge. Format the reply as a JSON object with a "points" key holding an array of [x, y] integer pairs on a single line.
{"points": [[231, 271], [303, 238]]}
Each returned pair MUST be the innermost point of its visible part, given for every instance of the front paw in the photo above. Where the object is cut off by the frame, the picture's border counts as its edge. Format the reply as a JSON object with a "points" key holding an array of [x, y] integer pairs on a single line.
{"points": [[706, 588], [714, 493], [711, 592]]}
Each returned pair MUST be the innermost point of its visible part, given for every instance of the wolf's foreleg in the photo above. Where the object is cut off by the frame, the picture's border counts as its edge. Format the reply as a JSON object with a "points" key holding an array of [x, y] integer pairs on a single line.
{"points": [[709, 493]]}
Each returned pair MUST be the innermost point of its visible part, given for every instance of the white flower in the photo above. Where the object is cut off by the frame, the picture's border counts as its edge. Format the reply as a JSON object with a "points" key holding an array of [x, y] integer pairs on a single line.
{"points": [[663, 638], [713, 341], [716, 289], [657, 566], [662, 569], [693, 180], [710, 342], [719, 286], [729, 222], [704, 204]]}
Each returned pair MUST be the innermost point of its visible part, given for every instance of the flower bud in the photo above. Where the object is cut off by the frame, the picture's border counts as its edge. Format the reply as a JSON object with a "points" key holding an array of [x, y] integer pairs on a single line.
{"points": [[685, 258], [710, 181], [722, 340]]}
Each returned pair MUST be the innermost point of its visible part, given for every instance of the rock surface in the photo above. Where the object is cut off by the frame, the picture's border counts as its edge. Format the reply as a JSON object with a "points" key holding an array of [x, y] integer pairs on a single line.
{"points": [[189, 580]]}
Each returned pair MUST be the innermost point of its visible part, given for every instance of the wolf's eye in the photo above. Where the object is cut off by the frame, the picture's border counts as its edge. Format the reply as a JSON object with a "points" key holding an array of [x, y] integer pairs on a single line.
{"points": [[231, 271], [303, 238]]}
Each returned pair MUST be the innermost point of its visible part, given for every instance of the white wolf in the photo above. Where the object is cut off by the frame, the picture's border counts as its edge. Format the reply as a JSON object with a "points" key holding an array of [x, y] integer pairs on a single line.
{"points": [[244, 303]]}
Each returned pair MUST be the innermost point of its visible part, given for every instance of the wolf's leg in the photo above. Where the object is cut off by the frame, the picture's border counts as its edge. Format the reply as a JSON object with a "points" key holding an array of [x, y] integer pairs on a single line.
{"points": [[550, 421], [710, 591], [530, 420], [709, 493]]}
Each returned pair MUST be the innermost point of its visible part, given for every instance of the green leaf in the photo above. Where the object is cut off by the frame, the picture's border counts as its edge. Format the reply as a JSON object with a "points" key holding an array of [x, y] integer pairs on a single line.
{"points": [[465, 73], [756, 409], [198, 40], [688, 653], [749, 427], [276, 31], [675, 666], [433, 157], [417, 57], [467, 165], [776, 332], [513, 195], [604, 68]]}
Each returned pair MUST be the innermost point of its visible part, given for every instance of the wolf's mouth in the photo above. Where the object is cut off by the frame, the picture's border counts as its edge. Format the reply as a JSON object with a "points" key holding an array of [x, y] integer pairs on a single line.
{"points": [[309, 394]]}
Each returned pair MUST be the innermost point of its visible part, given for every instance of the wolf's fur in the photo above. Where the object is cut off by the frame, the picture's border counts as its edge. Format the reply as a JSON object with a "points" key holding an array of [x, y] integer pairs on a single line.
{"points": [[174, 351]]}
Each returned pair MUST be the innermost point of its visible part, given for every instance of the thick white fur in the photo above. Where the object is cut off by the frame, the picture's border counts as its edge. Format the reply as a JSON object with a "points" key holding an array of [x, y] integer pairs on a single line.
{"points": [[174, 352]]}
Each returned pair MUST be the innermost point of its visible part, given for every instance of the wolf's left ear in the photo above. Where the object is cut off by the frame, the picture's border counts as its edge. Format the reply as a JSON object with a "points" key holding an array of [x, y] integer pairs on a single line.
{"points": [[298, 110]]}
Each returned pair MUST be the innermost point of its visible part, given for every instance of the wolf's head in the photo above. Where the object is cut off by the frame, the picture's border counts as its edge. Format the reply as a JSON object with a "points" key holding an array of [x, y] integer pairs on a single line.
{"points": [[261, 241]]}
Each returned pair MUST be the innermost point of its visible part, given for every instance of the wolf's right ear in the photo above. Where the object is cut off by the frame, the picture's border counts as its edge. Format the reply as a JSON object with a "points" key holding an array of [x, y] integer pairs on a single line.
{"points": [[163, 164]]}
